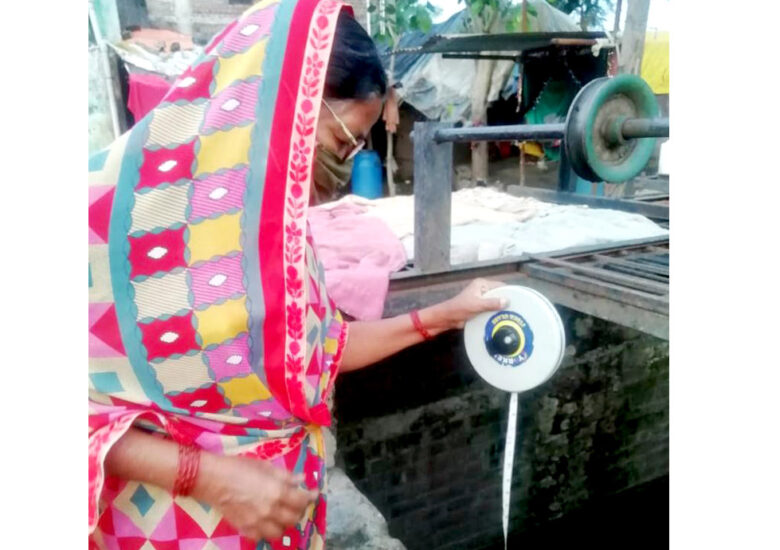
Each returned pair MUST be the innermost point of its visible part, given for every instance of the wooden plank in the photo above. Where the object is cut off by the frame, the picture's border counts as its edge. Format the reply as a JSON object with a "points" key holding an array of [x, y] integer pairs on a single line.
{"points": [[632, 42], [572, 42]]}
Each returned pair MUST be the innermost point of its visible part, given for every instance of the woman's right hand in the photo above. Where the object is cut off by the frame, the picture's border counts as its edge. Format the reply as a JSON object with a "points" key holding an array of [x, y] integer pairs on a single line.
{"points": [[260, 500]]}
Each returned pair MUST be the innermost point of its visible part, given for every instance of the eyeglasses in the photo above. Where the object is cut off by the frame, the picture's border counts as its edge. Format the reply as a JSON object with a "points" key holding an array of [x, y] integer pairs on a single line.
{"points": [[357, 144]]}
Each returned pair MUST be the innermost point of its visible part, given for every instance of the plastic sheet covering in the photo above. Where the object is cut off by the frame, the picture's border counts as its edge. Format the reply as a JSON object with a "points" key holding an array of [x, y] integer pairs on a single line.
{"points": [[434, 85], [140, 58]]}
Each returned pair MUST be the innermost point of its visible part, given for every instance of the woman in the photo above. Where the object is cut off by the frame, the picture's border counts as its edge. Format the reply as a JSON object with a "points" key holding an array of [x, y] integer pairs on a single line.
{"points": [[213, 344]]}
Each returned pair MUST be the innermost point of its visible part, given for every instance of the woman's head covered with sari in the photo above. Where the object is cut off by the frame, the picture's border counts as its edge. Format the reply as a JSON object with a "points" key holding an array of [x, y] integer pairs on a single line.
{"points": [[209, 319]]}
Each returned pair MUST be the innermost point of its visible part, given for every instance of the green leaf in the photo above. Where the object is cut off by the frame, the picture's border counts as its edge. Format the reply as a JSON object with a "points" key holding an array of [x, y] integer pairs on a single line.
{"points": [[390, 9], [532, 11], [423, 19], [511, 12], [371, 8], [476, 7], [385, 38]]}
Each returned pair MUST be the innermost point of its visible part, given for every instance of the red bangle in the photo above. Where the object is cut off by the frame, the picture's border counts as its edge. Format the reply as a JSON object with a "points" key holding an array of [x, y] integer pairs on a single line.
{"points": [[189, 462], [419, 326]]}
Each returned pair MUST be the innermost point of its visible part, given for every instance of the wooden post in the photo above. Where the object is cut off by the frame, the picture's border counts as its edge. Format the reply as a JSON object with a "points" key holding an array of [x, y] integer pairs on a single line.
{"points": [[107, 19], [390, 160], [480, 89], [618, 9], [524, 17], [182, 10], [522, 164], [104, 19], [632, 43], [432, 198]]}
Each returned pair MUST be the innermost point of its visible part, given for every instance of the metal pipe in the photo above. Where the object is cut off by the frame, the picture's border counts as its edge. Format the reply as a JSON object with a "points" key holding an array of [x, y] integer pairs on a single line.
{"points": [[645, 127], [512, 132], [480, 56], [631, 129]]}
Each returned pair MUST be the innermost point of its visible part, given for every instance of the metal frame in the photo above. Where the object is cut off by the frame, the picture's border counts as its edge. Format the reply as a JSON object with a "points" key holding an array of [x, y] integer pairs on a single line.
{"points": [[503, 42], [611, 282], [643, 206], [630, 128], [616, 282], [433, 177]]}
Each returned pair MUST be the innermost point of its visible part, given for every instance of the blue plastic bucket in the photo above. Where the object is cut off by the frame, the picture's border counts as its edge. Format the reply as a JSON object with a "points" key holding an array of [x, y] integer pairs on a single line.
{"points": [[585, 187], [367, 175]]}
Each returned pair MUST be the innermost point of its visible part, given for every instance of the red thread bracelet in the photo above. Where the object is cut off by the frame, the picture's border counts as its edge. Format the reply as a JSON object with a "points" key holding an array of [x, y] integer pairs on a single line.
{"points": [[419, 326], [189, 463]]}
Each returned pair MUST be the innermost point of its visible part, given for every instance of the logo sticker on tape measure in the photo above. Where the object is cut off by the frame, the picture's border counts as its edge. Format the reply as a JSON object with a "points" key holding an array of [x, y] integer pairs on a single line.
{"points": [[509, 339]]}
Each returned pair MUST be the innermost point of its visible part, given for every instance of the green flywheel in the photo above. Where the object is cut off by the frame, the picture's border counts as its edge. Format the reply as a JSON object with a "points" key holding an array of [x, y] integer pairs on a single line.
{"points": [[593, 140]]}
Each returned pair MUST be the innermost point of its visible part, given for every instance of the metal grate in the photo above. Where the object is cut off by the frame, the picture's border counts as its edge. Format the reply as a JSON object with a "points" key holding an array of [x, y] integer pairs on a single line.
{"points": [[635, 276]]}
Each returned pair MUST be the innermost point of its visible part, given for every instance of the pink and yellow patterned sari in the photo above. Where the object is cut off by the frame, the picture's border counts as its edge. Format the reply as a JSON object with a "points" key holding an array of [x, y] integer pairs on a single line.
{"points": [[209, 322]]}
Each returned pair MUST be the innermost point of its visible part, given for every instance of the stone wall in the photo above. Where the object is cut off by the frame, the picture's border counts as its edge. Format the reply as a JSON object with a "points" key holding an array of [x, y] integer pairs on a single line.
{"points": [[422, 436]]}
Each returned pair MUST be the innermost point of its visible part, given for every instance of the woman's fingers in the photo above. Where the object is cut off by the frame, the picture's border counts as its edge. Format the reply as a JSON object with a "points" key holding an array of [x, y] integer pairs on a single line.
{"points": [[272, 530], [489, 304], [297, 479], [278, 473], [287, 516], [263, 530], [493, 304], [494, 284], [298, 499], [483, 285]]}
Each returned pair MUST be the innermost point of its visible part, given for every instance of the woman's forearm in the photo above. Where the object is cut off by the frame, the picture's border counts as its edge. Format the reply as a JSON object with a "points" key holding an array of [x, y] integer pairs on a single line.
{"points": [[257, 498], [143, 457], [372, 341]]}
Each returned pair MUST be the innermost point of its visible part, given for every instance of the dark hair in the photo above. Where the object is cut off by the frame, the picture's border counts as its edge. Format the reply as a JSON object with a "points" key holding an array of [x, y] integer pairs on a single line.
{"points": [[354, 70]]}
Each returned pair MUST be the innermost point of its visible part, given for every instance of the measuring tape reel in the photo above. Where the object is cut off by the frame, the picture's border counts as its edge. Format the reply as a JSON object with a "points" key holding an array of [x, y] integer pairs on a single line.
{"points": [[515, 350], [519, 347]]}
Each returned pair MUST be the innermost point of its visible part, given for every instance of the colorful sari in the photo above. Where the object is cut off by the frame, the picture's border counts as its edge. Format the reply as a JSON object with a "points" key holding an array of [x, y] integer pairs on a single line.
{"points": [[209, 322]]}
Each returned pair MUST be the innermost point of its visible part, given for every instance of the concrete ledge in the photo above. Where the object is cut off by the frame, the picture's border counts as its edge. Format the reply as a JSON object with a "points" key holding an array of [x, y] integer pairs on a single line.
{"points": [[353, 522]]}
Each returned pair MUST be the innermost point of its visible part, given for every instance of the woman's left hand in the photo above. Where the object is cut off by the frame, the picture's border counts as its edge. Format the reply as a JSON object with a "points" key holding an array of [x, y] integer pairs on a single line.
{"points": [[470, 302]]}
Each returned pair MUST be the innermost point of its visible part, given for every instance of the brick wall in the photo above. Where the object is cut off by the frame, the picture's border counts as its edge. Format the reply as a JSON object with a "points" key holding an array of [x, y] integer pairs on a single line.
{"points": [[209, 16], [422, 436]]}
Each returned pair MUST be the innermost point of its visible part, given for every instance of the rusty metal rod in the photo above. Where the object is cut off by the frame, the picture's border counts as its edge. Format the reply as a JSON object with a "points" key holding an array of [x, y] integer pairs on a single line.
{"points": [[631, 128], [511, 132], [645, 127]]}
